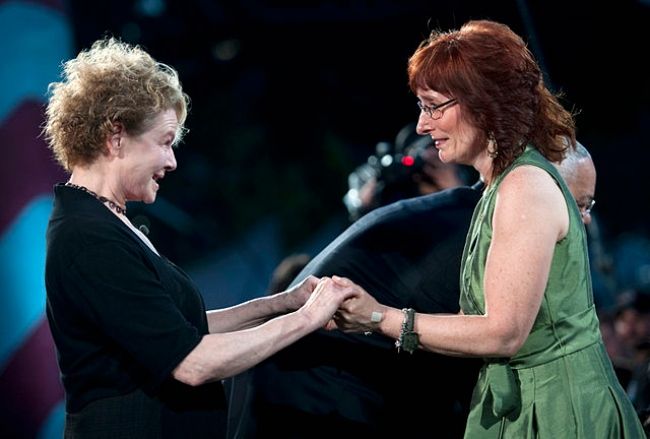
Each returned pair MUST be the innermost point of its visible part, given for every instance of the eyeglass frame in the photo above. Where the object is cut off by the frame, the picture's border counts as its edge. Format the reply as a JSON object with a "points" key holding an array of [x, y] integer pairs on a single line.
{"points": [[430, 110], [585, 209]]}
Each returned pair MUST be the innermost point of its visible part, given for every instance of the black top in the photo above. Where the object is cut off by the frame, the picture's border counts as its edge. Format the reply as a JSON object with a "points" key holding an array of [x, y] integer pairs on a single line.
{"points": [[406, 254], [122, 319]]}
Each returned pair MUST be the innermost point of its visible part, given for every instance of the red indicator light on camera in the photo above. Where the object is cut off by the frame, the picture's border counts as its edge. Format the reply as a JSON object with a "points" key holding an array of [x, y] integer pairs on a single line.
{"points": [[407, 160]]}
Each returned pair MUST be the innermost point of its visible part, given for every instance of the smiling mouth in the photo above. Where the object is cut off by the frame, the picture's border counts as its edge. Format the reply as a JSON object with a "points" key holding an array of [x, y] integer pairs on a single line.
{"points": [[156, 179]]}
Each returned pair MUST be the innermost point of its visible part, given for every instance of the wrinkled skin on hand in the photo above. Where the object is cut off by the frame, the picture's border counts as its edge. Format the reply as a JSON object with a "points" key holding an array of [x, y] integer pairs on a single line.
{"points": [[354, 314], [325, 300], [300, 293]]}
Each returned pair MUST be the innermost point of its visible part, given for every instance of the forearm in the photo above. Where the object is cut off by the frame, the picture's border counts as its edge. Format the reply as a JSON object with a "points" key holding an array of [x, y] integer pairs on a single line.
{"points": [[249, 314], [456, 335], [222, 355]]}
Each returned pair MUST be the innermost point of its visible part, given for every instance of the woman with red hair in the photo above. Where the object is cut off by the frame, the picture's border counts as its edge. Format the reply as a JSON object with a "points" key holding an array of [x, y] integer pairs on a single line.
{"points": [[526, 301]]}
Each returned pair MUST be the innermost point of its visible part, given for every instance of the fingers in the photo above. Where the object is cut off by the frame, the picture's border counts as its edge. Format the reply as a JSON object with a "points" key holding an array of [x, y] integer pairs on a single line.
{"points": [[342, 305], [310, 283], [347, 305], [341, 291], [311, 280], [328, 296], [330, 325], [346, 283], [343, 281]]}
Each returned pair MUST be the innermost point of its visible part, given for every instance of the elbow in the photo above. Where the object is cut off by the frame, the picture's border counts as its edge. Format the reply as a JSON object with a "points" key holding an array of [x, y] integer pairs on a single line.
{"points": [[199, 367], [510, 347], [189, 377], [507, 342], [194, 374]]}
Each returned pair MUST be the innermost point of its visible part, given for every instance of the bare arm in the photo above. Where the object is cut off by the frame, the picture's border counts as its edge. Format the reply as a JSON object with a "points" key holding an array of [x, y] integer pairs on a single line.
{"points": [[221, 355], [530, 217], [257, 311]]}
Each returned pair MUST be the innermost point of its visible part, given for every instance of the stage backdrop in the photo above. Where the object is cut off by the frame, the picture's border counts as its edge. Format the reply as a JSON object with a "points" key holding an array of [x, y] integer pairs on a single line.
{"points": [[35, 38]]}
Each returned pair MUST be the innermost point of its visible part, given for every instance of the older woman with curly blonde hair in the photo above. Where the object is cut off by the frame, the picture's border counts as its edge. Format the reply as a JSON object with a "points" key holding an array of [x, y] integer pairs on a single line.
{"points": [[139, 355]]}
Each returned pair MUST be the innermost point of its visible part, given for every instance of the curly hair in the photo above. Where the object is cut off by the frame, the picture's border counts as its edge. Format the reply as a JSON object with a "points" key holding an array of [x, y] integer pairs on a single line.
{"points": [[112, 82], [499, 85]]}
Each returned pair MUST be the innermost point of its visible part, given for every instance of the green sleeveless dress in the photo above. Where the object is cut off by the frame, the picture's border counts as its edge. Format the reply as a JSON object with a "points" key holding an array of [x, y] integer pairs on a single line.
{"points": [[561, 383]]}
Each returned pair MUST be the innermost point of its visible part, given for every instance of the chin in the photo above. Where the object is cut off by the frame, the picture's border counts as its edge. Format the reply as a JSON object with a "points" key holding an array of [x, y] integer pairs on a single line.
{"points": [[151, 192], [149, 199]]}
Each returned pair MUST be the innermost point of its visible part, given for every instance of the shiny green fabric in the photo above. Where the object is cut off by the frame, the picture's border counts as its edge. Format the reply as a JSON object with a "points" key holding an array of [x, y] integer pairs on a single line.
{"points": [[561, 383]]}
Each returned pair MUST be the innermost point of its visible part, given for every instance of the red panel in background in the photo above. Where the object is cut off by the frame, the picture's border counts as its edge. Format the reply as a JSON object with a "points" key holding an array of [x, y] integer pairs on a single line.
{"points": [[30, 168], [29, 385]]}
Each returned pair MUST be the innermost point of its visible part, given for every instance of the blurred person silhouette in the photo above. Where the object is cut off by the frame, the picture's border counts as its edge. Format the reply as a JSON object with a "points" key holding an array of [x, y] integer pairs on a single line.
{"points": [[545, 371], [631, 325], [139, 355], [579, 173], [286, 272]]}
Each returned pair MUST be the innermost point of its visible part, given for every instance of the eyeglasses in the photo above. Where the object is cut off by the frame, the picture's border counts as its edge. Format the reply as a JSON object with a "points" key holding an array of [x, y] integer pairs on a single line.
{"points": [[585, 208], [435, 111]]}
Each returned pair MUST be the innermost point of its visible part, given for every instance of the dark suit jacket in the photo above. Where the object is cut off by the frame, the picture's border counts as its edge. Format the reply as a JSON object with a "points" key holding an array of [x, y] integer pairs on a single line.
{"points": [[406, 254]]}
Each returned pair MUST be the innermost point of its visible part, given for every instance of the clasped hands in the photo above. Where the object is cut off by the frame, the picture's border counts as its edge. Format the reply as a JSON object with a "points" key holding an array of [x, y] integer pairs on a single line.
{"points": [[359, 312], [335, 303]]}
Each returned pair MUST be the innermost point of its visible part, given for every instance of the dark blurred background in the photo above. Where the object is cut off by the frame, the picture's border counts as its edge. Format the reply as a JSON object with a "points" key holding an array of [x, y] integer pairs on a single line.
{"points": [[289, 98]]}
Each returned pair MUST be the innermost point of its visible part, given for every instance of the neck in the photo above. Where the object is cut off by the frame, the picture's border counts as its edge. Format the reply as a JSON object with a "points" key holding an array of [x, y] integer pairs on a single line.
{"points": [[97, 178], [121, 210], [89, 182], [483, 165]]}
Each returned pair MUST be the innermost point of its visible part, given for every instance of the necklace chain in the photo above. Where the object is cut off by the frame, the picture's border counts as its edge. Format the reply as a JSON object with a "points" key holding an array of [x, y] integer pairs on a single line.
{"points": [[112, 204]]}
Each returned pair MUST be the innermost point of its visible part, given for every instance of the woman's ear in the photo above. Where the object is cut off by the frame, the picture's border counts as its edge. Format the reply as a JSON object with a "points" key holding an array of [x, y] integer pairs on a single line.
{"points": [[114, 141]]}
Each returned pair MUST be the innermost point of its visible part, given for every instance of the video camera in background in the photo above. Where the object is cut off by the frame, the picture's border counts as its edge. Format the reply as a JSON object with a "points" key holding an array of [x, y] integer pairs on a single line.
{"points": [[387, 176]]}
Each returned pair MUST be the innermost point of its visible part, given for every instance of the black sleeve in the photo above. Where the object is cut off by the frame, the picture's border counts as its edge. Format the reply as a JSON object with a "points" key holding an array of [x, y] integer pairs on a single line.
{"points": [[120, 291]]}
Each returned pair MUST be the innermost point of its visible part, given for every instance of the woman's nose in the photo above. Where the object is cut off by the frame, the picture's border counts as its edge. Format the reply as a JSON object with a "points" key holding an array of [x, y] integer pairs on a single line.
{"points": [[171, 160], [424, 125]]}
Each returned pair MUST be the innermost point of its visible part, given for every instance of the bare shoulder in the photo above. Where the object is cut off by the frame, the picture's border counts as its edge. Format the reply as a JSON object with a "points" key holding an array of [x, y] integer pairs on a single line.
{"points": [[530, 180], [532, 193]]}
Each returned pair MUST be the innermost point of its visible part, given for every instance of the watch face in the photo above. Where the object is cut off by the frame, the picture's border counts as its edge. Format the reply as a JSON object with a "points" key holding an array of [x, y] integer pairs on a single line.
{"points": [[410, 342]]}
